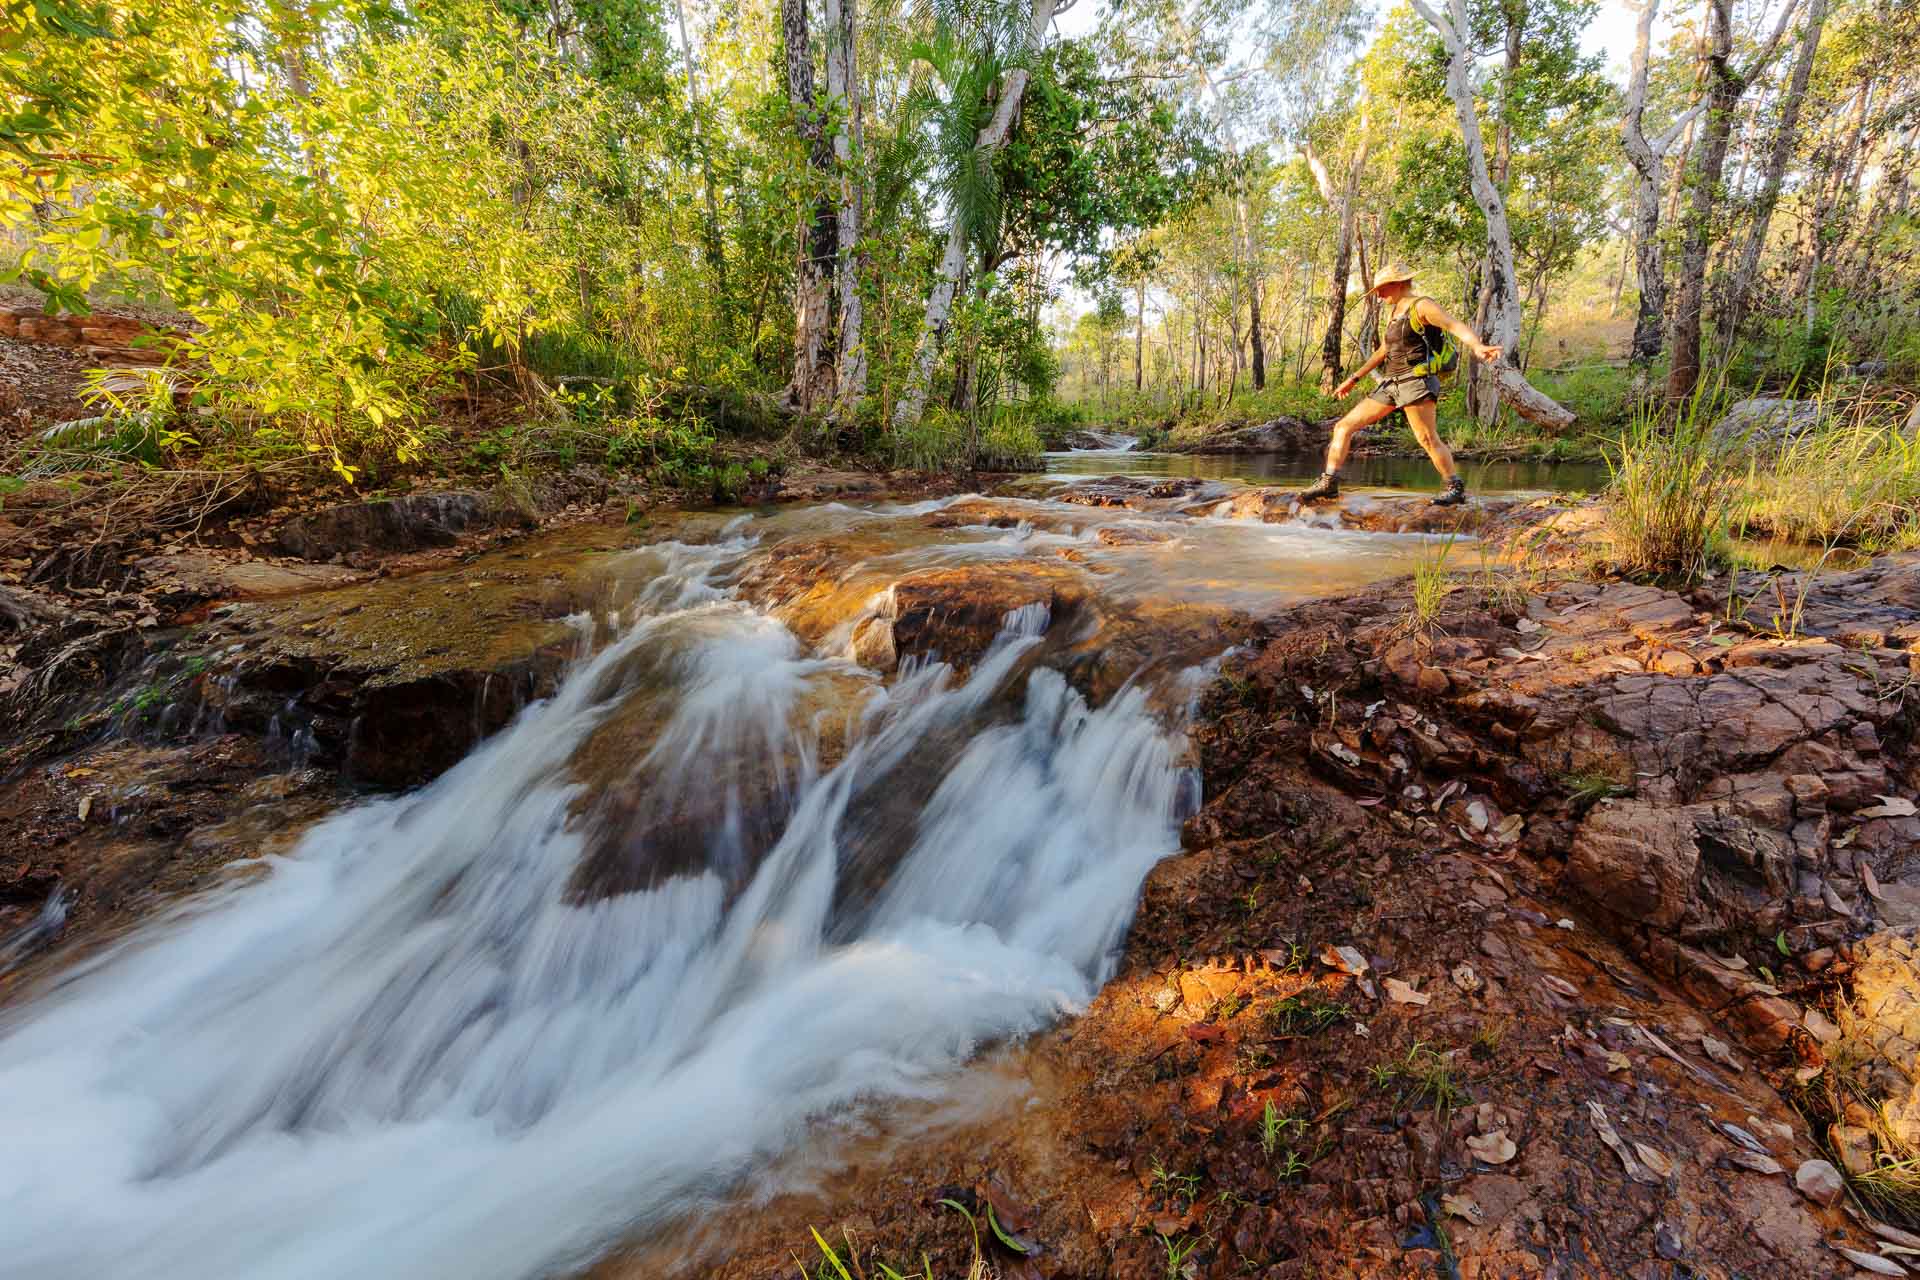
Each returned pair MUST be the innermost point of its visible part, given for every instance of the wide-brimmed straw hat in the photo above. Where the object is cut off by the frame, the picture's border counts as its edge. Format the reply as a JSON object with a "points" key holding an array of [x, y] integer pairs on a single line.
{"points": [[1395, 274]]}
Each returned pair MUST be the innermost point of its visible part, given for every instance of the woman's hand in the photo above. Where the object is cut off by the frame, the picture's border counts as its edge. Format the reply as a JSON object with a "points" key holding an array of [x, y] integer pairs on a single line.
{"points": [[1481, 351], [1345, 389]]}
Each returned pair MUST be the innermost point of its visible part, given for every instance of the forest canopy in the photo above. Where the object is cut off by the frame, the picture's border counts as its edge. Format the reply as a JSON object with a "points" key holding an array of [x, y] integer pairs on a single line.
{"points": [[933, 230]]}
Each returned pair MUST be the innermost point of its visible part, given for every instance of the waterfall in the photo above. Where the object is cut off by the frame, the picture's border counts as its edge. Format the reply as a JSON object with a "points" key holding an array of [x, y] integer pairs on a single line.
{"points": [[413, 1047]]}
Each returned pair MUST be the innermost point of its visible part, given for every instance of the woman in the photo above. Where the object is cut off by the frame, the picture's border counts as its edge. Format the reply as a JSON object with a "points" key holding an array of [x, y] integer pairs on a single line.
{"points": [[1410, 351]]}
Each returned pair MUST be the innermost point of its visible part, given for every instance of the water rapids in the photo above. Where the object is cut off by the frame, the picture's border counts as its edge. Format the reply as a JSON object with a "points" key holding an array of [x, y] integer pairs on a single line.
{"points": [[415, 1048]]}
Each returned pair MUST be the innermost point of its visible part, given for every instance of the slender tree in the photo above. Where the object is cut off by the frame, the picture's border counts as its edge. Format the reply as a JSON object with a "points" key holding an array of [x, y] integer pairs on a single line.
{"points": [[1503, 326], [1344, 199], [1726, 84], [1647, 155], [812, 384], [1785, 134], [953, 260], [843, 99]]}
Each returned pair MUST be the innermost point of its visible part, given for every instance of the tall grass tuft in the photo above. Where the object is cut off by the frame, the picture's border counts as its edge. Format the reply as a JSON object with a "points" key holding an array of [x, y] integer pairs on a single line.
{"points": [[1432, 583], [1852, 480], [1671, 489]]}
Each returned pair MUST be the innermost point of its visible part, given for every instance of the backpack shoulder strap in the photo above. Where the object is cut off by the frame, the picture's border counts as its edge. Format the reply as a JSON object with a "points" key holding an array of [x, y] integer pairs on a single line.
{"points": [[1413, 313]]}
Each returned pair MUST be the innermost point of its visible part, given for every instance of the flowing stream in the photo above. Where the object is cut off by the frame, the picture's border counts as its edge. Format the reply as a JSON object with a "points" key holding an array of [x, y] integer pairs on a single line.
{"points": [[416, 1047]]}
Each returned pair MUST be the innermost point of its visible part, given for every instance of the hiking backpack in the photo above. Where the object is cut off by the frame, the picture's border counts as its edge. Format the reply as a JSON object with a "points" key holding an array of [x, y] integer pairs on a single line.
{"points": [[1443, 357]]}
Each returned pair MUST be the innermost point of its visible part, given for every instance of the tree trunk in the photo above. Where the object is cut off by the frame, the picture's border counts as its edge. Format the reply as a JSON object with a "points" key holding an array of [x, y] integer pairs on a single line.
{"points": [[1139, 333], [715, 250], [1739, 294], [1343, 201], [913, 397], [1483, 385], [812, 384], [1504, 317], [1725, 85], [1370, 317], [1253, 329], [843, 93], [1649, 326]]}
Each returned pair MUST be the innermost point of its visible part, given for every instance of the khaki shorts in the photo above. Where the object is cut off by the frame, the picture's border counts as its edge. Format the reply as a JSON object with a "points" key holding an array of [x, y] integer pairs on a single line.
{"points": [[1400, 392]]}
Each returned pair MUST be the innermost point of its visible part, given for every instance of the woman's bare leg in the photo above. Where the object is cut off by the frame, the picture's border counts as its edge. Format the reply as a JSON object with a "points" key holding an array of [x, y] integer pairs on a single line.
{"points": [[1423, 419], [1364, 414]]}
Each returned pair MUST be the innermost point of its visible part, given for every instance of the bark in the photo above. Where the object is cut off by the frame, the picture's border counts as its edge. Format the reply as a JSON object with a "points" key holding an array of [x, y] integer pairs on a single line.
{"points": [[913, 397], [1504, 309], [1345, 201], [812, 384], [843, 93], [714, 247], [1739, 297], [1725, 85]]}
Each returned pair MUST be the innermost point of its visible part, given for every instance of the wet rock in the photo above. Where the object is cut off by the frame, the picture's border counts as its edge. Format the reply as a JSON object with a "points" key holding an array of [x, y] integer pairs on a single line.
{"points": [[393, 681], [201, 576], [1638, 861], [1138, 493], [1819, 1182], [405, 523], [872, 644], [1276, 435]]}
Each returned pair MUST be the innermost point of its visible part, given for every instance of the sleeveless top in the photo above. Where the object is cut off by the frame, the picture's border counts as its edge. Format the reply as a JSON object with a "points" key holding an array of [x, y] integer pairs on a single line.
{"points": [[1406, 346]]}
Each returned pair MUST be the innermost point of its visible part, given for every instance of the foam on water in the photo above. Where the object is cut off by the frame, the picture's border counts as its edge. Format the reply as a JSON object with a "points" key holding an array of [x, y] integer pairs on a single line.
{"points": [[411, 1049]]}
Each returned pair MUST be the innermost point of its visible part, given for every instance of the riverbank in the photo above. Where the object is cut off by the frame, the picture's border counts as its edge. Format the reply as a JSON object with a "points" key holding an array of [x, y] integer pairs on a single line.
{"points": [[1549, 933]]}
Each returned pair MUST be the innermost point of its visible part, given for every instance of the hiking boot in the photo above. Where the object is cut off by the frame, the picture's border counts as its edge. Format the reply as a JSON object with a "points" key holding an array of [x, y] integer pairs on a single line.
{"points": [[1453, 495], [1327, 486]]}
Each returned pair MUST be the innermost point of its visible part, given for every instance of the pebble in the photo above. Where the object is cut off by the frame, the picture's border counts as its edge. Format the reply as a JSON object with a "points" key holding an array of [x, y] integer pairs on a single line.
{"points": [[1819, 1182]]}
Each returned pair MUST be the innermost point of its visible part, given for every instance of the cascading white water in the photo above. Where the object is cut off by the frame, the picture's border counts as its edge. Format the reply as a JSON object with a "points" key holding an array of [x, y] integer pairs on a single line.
{"points": [[412, 1048]]}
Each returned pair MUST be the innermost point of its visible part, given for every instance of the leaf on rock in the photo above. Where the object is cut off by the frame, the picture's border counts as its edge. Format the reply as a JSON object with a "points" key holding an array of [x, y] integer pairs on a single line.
{"points": [[1890, 807], [1653, 1159], [1492, 1148], [1401, 993], [1343, 959], [1873, 1262]]}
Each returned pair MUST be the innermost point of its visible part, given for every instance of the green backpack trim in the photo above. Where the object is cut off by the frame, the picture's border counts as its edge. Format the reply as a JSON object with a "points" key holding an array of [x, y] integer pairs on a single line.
{"points": [[1443, 357]]}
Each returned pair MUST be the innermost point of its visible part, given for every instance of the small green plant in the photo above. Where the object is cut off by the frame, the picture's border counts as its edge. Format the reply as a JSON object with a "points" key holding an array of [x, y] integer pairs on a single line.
{"points": [[1305, 1013], [1173, 1186], [1432, 583], [1292, 1166], [1430, 1079], [1275, 1126], [1178, 1250], [1421, 1076], [1488, 1037], [1588, 789]]}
